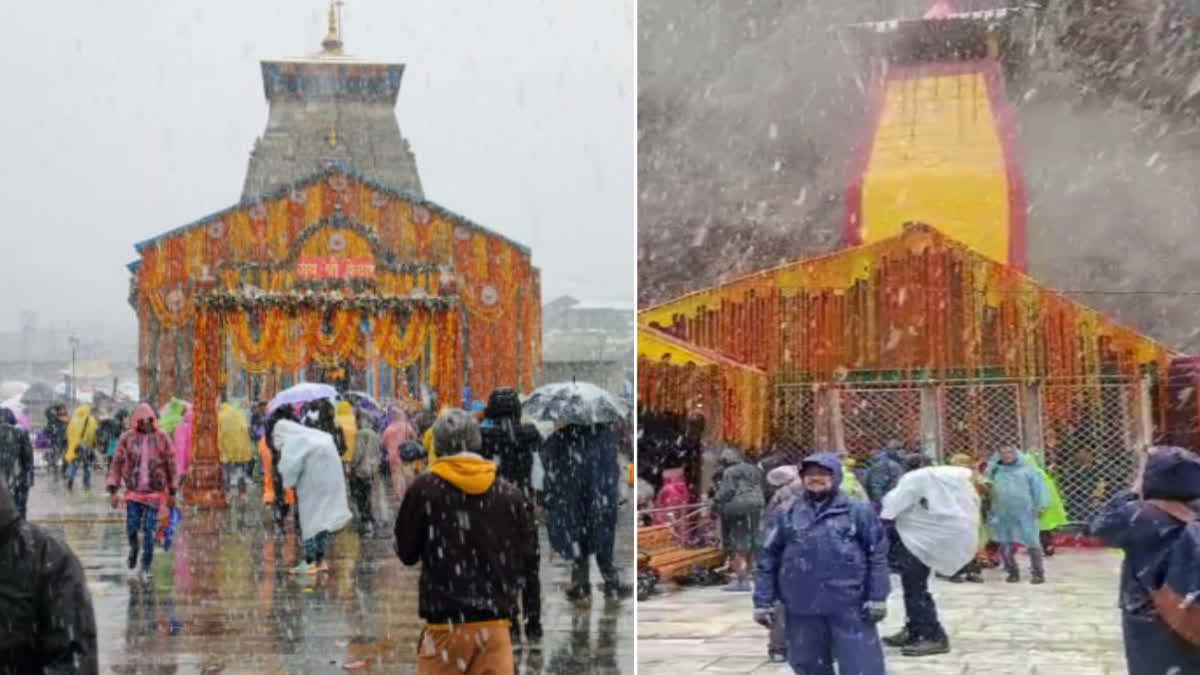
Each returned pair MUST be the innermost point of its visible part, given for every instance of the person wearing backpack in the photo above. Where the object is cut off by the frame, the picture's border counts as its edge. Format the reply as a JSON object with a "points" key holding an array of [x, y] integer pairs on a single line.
{"points": [[1154, 524], [739, 502]]}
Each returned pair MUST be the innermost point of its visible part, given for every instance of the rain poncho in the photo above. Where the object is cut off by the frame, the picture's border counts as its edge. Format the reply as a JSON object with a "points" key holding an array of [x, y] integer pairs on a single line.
{"points": [[172, 414], [344, 418], [1056, 514], [582, 480], [1017, 496], [850, 485], [233, 435], [936, 511], [81, 431], [309, 463], [1159, 550]]}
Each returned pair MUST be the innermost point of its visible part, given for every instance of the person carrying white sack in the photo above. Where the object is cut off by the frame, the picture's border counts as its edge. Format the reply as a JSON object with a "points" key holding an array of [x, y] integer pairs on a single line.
{"points": [[933, 517], [310, 464]]}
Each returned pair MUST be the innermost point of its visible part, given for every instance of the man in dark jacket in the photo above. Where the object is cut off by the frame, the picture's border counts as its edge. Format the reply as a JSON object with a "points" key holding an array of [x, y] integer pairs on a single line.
{"points": [[470, 532], [824, 557], [56, 434], [512, 446], [1151, 538], [582, 503], [886, 468], [16, 459], [46, 619]]}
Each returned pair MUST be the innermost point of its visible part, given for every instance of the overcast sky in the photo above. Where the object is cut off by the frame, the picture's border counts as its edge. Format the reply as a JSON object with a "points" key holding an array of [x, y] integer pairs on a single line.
{"points": [[125, 118]]}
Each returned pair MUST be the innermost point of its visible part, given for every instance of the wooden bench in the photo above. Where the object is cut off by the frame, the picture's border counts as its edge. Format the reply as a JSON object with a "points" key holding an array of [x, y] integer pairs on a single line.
{"points": [[658, 549]]}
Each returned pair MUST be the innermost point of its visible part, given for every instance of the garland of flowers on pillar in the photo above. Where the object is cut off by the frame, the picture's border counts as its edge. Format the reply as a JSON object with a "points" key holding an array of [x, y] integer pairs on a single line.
{"points": [[205, 383]]}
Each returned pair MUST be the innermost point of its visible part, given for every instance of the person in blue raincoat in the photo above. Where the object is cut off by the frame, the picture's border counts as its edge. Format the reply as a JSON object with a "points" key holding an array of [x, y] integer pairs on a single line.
{"points": [[1156, 552], [887, 466], [582, 481], [1018, 498], [824, 557]]}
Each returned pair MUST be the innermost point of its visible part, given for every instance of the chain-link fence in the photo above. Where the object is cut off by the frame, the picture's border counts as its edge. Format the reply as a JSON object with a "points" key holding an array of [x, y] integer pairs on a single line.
{"points": [[979, 419], [871, 417], [1089, 433]]}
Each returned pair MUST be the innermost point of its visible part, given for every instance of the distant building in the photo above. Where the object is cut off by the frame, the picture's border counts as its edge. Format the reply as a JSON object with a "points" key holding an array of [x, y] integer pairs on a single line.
{"points": [[589, 344]]}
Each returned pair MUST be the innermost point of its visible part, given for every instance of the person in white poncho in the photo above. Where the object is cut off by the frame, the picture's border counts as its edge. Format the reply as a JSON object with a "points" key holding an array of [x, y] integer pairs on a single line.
{"points": [[310, 464], [933, 516]]}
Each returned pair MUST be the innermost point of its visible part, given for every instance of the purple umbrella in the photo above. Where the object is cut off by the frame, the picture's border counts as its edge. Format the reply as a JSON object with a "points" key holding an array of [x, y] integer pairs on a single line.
{"points": [[23, 421], [302, 393]]}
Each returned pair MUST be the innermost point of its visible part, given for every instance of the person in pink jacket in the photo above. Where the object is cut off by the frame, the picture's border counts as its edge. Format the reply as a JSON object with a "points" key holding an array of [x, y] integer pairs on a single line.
{"points": [[674, 493], [144, 464], [397, 432]]}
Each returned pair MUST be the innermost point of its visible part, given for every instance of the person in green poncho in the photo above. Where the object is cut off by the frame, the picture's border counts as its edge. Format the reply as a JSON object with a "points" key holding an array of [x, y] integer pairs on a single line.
{"points": [[1055, 515], [850, 485]]}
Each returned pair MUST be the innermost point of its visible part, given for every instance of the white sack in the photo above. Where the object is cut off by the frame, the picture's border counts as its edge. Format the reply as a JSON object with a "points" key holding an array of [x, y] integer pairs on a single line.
{"points": [[942, 532], [309, 463]]}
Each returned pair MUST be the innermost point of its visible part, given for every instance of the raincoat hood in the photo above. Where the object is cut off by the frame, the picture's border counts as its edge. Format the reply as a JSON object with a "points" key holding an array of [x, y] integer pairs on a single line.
{"points": [[1171, 473], [470, 473], [825, 460], [344, 408], [729, 457], [783, 475], [141, 412]]}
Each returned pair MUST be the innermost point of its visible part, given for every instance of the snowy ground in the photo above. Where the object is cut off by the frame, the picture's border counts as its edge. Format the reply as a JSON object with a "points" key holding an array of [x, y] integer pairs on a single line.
{"points": [[1069, 626], [221, 601]]}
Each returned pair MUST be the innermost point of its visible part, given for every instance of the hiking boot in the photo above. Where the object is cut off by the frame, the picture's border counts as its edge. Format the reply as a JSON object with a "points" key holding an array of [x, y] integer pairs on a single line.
{"points": [[1038, 579], [956, 579], [1013, 577], [927, 647], [901, 639], [132, 561], [974, 577]]}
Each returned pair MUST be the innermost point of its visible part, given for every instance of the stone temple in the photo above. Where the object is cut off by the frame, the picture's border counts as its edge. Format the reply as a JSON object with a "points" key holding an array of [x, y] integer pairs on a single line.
{"points": [[331, 109]]}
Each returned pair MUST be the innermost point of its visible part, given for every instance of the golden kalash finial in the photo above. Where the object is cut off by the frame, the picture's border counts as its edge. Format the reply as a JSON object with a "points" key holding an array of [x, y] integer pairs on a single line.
{"points": [[333, 39]]}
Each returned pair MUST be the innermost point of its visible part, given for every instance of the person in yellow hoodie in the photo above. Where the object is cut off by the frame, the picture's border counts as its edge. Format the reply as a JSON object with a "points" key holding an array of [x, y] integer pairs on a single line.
{"points": [[344, 418], [458, 511], [233, 443], [81, 440]]}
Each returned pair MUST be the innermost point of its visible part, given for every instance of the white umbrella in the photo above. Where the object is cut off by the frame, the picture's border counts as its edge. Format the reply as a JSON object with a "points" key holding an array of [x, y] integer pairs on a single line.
{"points": [[302, 393], [13, 389], [574, 403]]}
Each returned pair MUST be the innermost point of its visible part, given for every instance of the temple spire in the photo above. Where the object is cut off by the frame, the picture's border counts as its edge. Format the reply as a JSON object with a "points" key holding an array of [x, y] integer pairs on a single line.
{"points": [[333, 38]]}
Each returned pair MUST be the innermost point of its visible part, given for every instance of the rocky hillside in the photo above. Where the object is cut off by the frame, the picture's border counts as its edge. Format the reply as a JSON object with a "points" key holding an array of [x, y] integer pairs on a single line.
{"points": [[749, 111]]}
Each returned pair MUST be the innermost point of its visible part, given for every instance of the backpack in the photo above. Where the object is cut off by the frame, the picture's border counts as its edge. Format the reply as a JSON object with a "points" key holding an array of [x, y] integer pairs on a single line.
{"points": [[1177, 610]]}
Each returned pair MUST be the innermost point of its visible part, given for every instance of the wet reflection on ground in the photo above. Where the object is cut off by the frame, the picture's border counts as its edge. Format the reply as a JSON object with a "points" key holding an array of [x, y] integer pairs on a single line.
{"points": [[221, 601]]}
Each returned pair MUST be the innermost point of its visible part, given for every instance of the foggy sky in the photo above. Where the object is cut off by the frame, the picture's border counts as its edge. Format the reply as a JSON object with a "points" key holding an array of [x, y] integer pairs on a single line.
{"points": [[123, 119]]}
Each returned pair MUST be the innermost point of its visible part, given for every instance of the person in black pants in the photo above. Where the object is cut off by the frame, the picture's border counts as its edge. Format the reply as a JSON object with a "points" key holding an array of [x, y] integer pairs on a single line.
{"points": [[922, 634], [512, 445]]}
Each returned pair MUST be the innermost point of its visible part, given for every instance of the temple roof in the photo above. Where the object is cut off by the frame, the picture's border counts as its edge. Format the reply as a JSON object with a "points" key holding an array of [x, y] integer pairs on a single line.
{"points": [[320, 175]]}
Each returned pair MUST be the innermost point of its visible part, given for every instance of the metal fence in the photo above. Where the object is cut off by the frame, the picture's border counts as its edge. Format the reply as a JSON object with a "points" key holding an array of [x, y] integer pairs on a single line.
{"points": [[1088, 433]]}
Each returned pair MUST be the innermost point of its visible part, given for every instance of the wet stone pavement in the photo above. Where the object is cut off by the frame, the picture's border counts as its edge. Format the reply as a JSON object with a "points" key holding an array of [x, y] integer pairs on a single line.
{"points": [[1069, 626], [221, 600]]}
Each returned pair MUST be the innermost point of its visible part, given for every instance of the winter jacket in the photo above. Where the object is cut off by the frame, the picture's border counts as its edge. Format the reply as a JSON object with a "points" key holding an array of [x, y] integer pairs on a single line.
{"points": [[823, 559], [233, 436], [366, 460], [1148, 536], [56, 428], [885, 471], [471, 533], [1018, 495], [582, 483], [126, 464], [16, 456], [740, 492], [508, 442], [46, 619]]}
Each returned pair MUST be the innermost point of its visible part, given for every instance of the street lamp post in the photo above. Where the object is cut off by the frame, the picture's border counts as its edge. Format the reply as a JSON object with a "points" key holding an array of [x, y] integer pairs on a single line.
{"points": [[74, 388]]}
